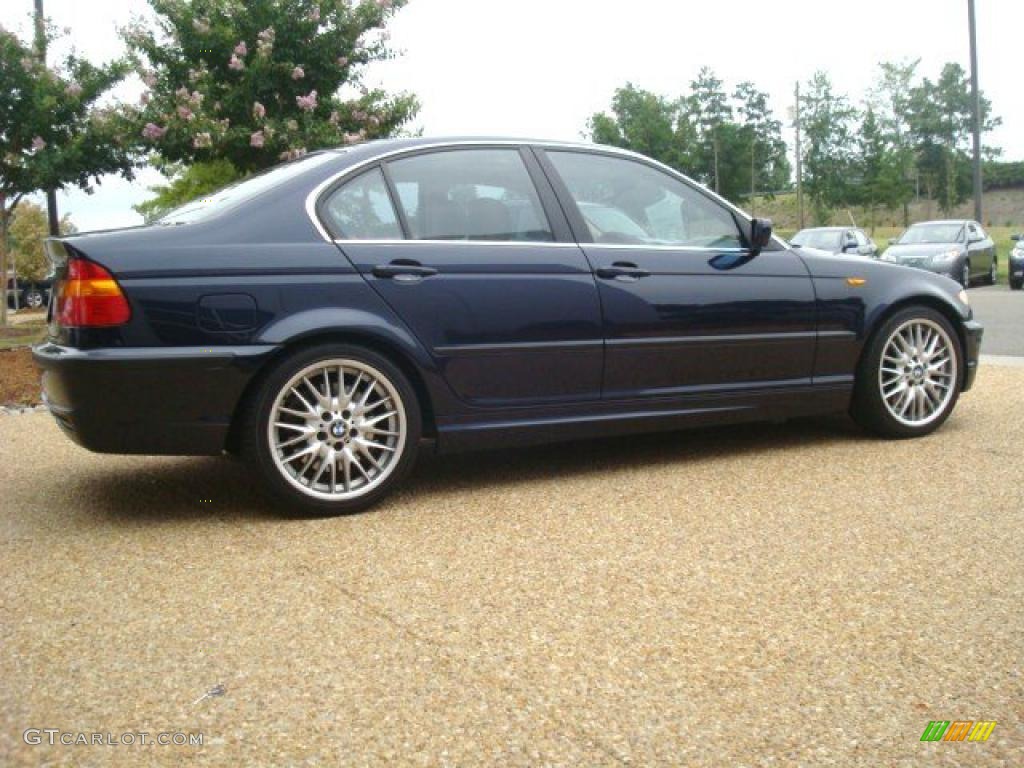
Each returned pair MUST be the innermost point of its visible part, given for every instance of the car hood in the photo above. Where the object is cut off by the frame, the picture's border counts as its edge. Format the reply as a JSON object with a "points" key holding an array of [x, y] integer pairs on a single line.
{"points": [[920, 251]]}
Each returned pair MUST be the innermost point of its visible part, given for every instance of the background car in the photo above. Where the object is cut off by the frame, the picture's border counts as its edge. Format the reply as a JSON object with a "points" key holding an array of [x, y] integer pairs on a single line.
{"points": [[322, 317], [850, 240], [1017, 263], [31, 294], [960, 249]]}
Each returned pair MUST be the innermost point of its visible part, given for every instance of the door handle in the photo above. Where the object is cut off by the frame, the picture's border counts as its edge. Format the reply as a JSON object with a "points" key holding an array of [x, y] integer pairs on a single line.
{"points": [[403, 268], [623, 269]]}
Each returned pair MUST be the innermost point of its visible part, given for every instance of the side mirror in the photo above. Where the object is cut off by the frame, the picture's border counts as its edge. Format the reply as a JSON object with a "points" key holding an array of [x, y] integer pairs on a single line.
{"points": [[760, 235]]}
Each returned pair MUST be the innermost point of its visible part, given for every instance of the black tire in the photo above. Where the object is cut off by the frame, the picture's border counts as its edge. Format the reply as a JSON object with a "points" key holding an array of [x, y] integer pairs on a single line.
{"points": [[255, 445], [965, 275], [993, 273], [1016, 285], [34, 299], [868, 407]]}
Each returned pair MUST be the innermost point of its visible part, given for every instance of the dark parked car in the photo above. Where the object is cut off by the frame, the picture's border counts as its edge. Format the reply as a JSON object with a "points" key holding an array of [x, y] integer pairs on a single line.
{"points": [[960, 249], [29, 293], [323, 317], [849, 240], [1017, 263]]}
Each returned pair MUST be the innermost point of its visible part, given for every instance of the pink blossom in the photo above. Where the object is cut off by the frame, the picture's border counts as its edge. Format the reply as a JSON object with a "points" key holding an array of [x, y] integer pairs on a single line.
{"points": [[38, 144], [291, 125], [343, 61], [181, 93], [153, 131], [314, 15], [298, 73], [256, 139], [258, 110], [334, 118], [145, 97], [195, 99], [201, 140], [306, 103], [241, 49], [236, 63], [185, 113], [359, 115], [267, 35], [74, 90], [27, 63], [385, 4], [350, 138], [149, 78]]}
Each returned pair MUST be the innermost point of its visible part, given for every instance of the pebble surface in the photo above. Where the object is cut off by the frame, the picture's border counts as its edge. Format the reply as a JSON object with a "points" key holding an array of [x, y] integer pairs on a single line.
{"points": [[789, 595]]}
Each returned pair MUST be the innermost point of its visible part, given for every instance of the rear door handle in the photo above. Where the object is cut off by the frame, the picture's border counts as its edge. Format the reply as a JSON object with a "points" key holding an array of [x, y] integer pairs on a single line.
{"points": [[403, 268], [622, 269]]}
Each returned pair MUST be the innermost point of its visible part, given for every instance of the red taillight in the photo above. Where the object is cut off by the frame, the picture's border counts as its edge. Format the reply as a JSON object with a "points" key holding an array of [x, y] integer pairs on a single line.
{"points": [[90, 297]]}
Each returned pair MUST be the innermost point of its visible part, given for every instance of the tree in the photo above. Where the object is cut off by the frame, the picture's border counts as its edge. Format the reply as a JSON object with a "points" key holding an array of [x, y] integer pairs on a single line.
{"points": [[52, 134], [891, 103], [28, 229], [829, 167], [709, 109], [256, 83], [762, 135], [647, 123], [881, 168], [187, 183]]}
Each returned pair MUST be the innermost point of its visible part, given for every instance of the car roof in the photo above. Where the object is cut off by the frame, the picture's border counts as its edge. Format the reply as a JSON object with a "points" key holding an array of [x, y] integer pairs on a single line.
{"points": [[944, 221]]}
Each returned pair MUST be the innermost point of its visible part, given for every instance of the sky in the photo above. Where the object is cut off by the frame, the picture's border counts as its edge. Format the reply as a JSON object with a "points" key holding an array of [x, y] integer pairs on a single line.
{"points": [[540, 68]]}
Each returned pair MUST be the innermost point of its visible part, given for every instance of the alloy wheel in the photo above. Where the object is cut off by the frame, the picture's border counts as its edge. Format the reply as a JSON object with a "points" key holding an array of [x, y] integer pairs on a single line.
{"points": [[965, 275], [33, 299], [337, 429], [918, 372]]}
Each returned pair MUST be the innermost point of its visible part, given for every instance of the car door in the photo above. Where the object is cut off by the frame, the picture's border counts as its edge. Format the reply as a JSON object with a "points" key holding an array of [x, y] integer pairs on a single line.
{"points": [[469, 247], [686, 307], [980, 250]]}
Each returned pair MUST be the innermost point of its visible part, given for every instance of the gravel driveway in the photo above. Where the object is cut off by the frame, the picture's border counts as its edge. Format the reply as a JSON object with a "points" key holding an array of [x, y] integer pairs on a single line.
{"points": [[792, 595]]}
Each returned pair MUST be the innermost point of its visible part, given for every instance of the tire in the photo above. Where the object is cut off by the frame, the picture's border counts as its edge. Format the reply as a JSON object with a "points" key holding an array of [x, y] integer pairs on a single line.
{"points": [[1016, 285], [993, 273], [34, 298], [965, 275], [384, 447], [879, 414]]}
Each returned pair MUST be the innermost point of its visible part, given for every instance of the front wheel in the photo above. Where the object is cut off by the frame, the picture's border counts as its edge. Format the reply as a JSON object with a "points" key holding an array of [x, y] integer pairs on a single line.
{"points": [[965, 275], [333, 429], [1016, 285], [34, 299], [909, 377], [993, 273]]}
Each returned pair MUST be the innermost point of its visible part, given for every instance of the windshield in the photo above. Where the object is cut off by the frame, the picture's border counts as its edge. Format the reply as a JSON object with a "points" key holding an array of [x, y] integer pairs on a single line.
{"points": [[932, 233], [824, 239], [215, 202]]}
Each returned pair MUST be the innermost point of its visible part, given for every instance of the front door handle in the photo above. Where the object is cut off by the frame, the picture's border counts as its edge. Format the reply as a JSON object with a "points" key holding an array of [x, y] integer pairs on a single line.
{"points": [[622, 269], [407, 268]]}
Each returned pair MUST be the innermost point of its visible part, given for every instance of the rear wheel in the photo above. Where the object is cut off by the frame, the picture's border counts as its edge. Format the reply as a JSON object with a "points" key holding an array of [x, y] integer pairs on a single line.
{"points": [[333, 429], [909, 377], [1016, 285], [34, 298]]}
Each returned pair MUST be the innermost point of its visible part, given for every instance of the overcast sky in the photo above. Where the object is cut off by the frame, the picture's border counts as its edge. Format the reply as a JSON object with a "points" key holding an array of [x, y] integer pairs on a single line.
{"points": [[540, 68]]}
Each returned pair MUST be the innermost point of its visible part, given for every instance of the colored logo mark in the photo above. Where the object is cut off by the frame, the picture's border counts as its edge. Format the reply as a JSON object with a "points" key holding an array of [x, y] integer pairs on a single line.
{"points": [[958, 730]]}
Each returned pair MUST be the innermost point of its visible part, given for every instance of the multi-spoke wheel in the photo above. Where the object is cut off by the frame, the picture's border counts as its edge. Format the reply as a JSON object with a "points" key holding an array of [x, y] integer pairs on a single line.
{"points": [[34, 299], [335, 428], [909, 377]]}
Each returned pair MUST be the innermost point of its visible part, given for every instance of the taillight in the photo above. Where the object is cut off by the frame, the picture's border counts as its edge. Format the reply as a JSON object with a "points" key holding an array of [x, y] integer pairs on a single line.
{"points": [[90, 297]]}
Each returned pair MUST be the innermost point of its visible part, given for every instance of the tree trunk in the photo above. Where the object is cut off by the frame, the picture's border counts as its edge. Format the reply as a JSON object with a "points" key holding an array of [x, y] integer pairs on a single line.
{"points": [[3, 260]]}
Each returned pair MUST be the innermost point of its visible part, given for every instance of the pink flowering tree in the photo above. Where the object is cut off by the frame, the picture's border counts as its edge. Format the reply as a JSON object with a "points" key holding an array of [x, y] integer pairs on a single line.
{"points": [[262, 81], [52, 134]]}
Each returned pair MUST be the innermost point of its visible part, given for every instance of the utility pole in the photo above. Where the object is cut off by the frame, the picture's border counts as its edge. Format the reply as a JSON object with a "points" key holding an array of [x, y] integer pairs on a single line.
{"points": [[799, 160], [51, 195], [976, 108]]}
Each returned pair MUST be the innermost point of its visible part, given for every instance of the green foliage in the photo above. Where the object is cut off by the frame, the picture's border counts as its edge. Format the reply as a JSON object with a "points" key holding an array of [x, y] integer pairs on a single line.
{"points": [[261, 81], [187, 183], [827, 120], [29, 228], [52, 134], [998, 175], [700, 135]]}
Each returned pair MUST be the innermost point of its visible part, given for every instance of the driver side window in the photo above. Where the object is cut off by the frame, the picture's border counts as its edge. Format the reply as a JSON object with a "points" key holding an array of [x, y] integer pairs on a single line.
{"points": [[627, 202]]}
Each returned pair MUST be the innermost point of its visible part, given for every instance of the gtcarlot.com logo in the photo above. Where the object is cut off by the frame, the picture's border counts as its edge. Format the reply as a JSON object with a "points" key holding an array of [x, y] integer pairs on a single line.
{"points": [[958, 730], [55, 736]]}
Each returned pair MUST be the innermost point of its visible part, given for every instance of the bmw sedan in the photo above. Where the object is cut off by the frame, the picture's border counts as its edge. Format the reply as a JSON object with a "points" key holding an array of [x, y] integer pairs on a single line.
{"points": [[848, 240], [323, 318], [958, 249]]}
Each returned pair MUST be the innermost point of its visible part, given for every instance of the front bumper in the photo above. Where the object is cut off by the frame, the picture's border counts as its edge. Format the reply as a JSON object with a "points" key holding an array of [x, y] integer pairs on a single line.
{"points": [[159, 401], [973, 331]]}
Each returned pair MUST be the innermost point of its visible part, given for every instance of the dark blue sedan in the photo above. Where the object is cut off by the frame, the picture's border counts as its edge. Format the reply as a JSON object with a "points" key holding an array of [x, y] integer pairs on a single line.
{"points": [[322, 318]]}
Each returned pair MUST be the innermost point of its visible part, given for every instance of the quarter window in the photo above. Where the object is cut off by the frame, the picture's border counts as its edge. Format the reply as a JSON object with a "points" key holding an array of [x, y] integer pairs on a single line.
{"points": [[469, 194], [626, 202], [362, 209]]}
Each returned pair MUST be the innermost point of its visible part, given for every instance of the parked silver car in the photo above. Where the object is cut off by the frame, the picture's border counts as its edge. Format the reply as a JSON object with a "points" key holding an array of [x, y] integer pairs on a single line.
{"points": [[849, 240], [959, 248]]}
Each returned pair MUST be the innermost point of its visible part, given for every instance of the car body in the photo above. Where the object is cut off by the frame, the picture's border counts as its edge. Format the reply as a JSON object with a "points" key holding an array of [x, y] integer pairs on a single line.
{"points": [[842, 240], [1016, 263], [958, 248], [476, 292]]}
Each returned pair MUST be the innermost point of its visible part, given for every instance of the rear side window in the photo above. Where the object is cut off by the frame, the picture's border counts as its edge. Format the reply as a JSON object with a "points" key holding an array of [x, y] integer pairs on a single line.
{"points": [[362, 209], [469, 194], [626, 202]]}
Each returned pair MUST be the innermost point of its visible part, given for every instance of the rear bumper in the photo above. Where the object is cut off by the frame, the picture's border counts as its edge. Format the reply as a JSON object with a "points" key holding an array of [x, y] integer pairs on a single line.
{"points": [[160, 401], [973, 331]]}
